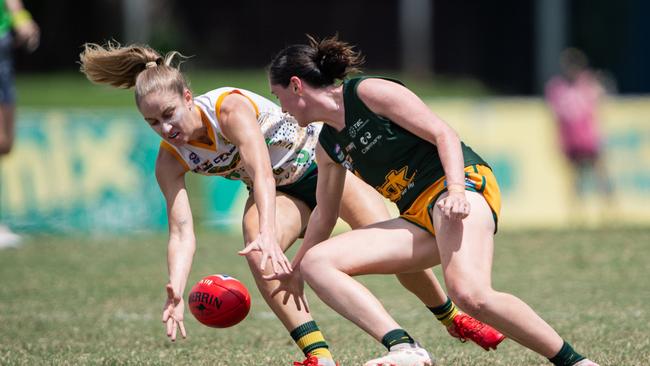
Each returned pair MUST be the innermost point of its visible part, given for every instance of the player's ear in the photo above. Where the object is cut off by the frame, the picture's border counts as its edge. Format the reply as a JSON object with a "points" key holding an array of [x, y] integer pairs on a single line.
{"points": [[295, 85], [188, 98]]}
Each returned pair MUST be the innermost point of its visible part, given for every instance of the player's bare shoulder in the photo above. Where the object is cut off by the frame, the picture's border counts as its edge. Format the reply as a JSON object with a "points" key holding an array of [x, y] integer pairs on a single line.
{"points": [[168, 166], [234, 103], [378, 94]]}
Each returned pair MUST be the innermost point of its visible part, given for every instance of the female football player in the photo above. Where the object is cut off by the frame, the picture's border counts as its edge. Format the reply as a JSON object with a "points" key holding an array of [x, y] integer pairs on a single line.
{"points": [[447, 195]]}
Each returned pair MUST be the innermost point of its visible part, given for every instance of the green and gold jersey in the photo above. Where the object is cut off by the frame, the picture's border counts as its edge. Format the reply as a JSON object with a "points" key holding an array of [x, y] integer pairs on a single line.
{"points": [[397, 163]]}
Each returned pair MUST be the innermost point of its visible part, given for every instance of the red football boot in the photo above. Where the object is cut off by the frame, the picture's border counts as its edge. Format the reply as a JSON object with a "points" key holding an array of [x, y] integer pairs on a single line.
{"points": [[311, 361], [465, 327]]}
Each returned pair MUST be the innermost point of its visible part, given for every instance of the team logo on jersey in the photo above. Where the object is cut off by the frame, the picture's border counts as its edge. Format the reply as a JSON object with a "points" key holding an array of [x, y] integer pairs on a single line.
{"points": [[396, 184], [356, 127], [365, 138]]}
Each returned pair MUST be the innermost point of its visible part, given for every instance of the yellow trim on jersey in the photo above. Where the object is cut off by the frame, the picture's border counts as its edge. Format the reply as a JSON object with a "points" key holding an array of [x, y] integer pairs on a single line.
{"points": [[206, 122], [478, 178], [165, 145], [223, 95]]}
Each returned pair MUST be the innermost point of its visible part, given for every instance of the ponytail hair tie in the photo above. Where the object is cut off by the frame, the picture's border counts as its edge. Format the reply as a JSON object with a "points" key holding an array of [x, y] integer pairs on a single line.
{"points": [[150, 64]]}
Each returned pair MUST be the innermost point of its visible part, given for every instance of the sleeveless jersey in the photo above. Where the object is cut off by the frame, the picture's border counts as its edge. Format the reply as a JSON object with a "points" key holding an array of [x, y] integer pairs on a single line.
{"points": [[291, 147], [397, 163]]}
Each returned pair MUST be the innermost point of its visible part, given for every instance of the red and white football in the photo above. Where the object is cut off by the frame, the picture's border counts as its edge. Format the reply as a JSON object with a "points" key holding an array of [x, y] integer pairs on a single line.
{"points": [[219, 301]]}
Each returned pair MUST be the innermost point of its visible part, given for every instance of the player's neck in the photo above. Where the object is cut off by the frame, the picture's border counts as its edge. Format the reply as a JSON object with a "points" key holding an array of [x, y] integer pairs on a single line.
{"points": [[333, 107]]}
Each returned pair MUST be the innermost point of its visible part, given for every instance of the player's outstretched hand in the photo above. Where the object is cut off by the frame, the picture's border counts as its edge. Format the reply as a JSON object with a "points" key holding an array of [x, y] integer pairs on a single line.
{"points": [[292, 285], [270, 250], [172, 315], [455, 206]]}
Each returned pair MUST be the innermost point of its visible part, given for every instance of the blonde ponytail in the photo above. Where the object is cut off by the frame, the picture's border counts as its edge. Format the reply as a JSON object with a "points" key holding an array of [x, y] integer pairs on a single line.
{"points": [[131, 66]]}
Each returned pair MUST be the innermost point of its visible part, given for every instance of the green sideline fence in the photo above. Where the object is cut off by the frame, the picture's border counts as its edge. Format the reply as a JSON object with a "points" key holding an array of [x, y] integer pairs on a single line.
{"points": [[92, 169]]}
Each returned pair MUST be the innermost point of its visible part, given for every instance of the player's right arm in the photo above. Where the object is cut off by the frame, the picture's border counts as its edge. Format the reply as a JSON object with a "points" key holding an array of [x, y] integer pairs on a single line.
{"points": [[170, 174]]}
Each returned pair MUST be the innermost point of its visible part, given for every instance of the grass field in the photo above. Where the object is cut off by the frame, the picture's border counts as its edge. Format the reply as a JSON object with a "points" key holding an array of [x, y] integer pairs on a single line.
{"points": [[97, 301]]}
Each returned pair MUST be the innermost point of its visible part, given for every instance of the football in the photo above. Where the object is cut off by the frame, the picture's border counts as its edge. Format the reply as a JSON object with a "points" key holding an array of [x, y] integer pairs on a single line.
{"points": [[219, 301]]}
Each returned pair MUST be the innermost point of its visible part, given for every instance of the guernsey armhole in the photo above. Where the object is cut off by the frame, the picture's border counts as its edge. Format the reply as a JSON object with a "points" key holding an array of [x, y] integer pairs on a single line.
{"points": [[165, 145]]}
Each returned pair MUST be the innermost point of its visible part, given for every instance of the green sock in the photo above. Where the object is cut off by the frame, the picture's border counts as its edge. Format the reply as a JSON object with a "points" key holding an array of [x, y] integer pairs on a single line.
{"points": [[566, 357], [445, 312], [396, 336]]}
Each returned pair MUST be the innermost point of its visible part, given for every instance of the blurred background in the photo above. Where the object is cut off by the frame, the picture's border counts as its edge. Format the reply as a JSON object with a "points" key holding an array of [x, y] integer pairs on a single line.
{"points": [[83, 159], [554, 94]]}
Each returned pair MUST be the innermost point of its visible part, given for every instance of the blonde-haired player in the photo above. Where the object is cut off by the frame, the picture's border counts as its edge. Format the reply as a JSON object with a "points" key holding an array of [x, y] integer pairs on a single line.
{"points": [[237, 134]]}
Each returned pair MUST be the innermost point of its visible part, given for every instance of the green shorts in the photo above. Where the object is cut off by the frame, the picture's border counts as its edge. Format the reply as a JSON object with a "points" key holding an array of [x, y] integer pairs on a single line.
{"points": [[305, 188]]}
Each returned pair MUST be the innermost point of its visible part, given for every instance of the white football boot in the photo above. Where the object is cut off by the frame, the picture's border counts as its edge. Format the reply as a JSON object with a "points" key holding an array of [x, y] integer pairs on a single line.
{"points": [[404, 354]]}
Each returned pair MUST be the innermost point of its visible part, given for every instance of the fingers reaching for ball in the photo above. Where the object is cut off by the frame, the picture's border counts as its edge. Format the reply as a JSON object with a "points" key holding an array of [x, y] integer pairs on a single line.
{"points": [[172, 315]]}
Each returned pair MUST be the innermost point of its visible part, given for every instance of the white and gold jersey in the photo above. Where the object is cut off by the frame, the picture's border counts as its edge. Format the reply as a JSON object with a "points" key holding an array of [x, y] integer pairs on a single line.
{"points": [[291, 147]]}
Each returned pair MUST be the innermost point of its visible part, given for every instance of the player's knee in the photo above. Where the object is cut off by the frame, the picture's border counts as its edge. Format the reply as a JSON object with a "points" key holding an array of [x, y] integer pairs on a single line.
{"points": [[254, 262], [472, 299], [312, 265]]}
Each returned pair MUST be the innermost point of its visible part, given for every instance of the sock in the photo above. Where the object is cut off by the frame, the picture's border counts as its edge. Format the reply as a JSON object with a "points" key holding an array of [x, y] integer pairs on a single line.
{"points": [[567, 356], [396, 336], [445, 312], [311, 341]]}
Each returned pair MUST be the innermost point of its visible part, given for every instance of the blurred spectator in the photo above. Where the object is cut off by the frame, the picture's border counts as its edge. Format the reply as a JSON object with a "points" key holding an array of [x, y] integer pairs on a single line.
{"points": [[16, 27], [574, 97]]}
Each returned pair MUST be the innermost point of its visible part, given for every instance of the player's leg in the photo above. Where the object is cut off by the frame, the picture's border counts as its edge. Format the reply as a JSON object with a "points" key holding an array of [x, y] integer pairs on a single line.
{"points": [[388, 247], [292, 216], [466, 249], [361, 205]]}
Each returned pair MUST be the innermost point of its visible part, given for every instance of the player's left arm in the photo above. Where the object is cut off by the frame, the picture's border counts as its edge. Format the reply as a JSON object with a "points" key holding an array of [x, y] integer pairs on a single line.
{"points": [[238, 121], [329, 192], [400, 105]]}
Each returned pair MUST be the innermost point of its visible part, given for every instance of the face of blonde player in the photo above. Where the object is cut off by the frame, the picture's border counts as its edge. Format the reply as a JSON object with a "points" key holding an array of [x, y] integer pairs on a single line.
{"points": [[171, 115], [292, 102]]}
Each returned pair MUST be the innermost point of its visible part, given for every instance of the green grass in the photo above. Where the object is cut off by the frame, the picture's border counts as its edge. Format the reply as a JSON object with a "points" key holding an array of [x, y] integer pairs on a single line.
{"points": [[97, 301], [74, 90]]}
